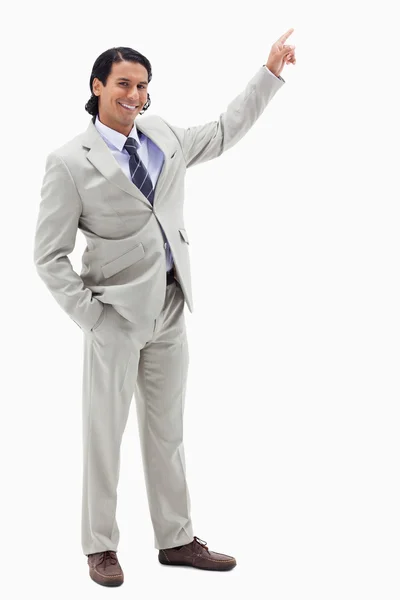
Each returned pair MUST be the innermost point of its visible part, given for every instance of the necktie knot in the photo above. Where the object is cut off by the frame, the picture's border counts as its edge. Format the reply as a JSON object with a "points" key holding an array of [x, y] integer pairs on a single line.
{"points": [[131, 146]]}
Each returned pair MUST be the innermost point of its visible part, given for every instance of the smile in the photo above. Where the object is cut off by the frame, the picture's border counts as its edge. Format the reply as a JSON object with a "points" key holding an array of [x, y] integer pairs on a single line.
{"points": [[131, 108]]}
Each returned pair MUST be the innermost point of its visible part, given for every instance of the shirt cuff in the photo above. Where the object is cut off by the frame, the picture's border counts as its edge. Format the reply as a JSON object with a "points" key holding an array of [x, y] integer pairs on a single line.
{"points": [[279, 77]]}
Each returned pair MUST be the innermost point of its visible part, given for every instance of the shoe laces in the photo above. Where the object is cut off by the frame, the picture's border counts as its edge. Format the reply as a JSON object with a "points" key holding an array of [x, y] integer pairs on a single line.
{"points": [[108, 555], [201, 543]]}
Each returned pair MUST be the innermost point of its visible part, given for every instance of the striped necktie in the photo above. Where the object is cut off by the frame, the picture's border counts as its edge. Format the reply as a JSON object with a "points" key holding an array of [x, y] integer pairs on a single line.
{"points": [[139, 174]]}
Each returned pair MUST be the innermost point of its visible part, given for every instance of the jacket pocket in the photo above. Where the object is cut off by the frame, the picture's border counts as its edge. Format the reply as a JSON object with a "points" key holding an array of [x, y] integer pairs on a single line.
{"points": [[184, 235], [124, 261]]}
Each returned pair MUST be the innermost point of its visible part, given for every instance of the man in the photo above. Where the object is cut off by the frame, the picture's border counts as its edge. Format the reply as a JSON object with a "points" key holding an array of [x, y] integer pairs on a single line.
{"points": [[121, 182]]}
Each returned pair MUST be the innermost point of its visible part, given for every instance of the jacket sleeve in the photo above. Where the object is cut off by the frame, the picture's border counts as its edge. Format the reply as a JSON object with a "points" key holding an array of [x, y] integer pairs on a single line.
{"points": [[208, 141], [55, 236]]}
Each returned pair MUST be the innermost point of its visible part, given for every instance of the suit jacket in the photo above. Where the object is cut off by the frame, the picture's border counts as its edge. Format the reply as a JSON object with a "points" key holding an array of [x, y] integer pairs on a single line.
{"points": [[124, 262]]}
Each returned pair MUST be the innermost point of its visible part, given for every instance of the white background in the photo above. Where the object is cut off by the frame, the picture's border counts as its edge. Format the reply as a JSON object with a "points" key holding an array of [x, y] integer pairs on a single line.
{"points": [[292, 406]]}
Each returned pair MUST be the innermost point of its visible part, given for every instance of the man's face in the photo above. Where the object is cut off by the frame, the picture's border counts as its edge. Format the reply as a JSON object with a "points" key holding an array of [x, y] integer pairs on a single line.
{"points": [[126, 84]]}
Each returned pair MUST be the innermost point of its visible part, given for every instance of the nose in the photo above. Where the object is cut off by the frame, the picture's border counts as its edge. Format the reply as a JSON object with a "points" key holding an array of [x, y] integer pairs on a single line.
{"points": [[134, 96]]}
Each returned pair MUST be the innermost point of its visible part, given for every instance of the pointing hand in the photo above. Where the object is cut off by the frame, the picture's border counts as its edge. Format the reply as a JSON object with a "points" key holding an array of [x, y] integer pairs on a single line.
{"points": [[281, 54]]}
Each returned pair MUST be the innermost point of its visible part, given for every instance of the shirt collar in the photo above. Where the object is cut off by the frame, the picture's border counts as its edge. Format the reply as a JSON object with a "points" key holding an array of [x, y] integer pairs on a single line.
{"points": [[114, 137]]}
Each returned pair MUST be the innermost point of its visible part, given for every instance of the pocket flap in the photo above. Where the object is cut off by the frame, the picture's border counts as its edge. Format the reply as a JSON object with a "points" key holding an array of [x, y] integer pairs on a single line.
{"points": [[184, 235], [124, 261]]}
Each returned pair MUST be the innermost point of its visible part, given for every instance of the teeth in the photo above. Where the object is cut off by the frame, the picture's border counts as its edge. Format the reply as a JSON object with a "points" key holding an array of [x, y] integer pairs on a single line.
{"points": [[129, 107]]}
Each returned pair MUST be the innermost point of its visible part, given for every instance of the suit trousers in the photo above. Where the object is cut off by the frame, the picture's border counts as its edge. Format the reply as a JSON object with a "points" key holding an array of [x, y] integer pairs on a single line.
{"points": [[149, 362]]}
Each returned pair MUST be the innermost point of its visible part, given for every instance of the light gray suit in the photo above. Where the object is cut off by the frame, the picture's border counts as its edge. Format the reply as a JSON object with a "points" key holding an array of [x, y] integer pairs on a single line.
{"points": [[133, 325]]}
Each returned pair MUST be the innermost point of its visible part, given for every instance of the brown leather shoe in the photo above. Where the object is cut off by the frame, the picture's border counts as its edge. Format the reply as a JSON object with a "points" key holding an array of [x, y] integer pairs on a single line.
{"points": [[105, 569], [196, 554]]}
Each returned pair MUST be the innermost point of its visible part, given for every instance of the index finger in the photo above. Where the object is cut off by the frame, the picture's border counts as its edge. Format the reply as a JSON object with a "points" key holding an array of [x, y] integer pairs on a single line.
{"points": [[285, 36]]}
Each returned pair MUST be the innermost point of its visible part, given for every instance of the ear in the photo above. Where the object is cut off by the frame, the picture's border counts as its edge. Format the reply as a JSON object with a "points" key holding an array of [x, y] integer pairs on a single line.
{"points": [[96, 86]]}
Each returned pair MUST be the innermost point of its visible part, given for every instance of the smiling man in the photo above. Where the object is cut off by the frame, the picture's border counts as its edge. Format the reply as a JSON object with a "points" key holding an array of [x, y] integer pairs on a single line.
{"points": [[121, 182]]}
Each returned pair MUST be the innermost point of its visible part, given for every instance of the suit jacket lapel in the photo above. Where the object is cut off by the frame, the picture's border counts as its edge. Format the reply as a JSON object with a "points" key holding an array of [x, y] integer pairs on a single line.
{"points": [[100, 156]]}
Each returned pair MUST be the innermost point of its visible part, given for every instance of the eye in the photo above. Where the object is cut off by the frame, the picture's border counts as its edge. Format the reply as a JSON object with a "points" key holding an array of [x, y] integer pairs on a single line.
{"points": [[126, 83]]}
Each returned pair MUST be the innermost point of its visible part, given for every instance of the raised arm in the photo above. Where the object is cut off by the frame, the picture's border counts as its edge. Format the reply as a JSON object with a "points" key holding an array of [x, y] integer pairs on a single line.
{"points": [[204, 142], [208, 141]]}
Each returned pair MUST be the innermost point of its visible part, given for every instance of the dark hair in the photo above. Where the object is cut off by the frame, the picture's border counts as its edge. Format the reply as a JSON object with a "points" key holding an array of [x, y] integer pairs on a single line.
{"points": [[102, 68]]}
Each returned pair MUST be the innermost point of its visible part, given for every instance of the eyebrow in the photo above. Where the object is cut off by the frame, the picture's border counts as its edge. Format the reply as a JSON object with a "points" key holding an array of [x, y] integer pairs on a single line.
{"points": [[126, 79]]}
